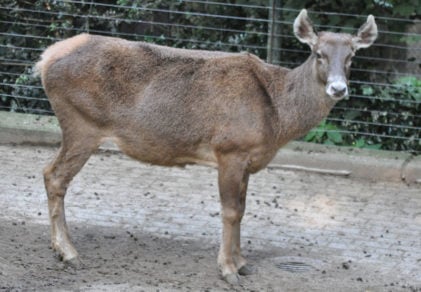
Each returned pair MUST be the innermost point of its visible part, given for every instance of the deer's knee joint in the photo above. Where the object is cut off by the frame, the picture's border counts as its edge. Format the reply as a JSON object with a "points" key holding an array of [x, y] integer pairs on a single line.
{"points": [[55, 187], [232, 215]]}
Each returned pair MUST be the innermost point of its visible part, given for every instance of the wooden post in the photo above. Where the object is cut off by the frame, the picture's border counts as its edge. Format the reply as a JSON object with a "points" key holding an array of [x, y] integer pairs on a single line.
{"points": [[274, 40]]}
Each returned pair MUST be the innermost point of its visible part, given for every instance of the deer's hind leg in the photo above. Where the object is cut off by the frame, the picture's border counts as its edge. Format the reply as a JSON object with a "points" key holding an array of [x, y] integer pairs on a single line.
{"points": [[77, 146]]}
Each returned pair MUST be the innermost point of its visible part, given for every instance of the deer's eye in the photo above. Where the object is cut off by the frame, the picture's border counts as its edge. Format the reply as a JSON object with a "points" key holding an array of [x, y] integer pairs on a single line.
{"points": [[321, 58]]}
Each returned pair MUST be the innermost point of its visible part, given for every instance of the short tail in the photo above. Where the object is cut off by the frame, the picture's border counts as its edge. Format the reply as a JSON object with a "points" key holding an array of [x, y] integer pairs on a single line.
{"points": [[37, 69]]}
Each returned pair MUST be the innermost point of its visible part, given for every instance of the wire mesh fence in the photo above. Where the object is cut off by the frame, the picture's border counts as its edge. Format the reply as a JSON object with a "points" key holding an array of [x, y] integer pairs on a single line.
{"points": [[383, 110]]}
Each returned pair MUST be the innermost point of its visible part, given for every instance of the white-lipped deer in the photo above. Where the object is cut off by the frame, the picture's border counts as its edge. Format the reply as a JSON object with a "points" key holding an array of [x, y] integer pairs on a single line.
{"points": [[170, 107]]}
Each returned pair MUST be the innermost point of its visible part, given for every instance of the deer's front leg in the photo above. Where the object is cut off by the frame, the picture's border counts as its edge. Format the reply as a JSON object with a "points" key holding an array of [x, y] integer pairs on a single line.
{"points": [[232, 180], [240, 261]]}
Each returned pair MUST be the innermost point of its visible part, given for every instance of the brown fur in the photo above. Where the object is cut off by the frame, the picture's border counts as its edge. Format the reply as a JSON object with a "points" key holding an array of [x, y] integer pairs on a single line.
{"points": [[170, 107]]}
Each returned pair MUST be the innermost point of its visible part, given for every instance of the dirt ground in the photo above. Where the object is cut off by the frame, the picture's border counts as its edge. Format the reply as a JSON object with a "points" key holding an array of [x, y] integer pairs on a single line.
{"points": [[144, 228]]}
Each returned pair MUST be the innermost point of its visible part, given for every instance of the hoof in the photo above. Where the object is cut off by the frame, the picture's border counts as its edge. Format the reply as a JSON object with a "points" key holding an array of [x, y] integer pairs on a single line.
{"points": [[74, 263], [70, 266], [247, 270], [65, 252], [232, 279]]}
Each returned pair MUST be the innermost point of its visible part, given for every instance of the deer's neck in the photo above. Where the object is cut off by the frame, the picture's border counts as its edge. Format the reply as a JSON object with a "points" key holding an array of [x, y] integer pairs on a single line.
{"points": [[302, 102]]}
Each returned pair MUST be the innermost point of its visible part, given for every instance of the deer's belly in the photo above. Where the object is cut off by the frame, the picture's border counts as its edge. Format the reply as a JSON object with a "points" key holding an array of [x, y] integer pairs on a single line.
{"points": [[165, 155]]}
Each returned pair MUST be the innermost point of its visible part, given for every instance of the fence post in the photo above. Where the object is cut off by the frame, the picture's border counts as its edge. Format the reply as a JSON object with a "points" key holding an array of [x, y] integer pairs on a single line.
{"points": [[274, 40]]}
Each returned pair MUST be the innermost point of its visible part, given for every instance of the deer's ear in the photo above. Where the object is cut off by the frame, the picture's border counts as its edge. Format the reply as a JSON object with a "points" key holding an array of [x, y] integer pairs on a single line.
{"points": [[303, 29], [366, 35]]}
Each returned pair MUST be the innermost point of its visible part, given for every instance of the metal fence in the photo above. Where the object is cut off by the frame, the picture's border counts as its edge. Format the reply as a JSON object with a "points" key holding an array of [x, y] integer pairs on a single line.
{"points": [[383, 109]]}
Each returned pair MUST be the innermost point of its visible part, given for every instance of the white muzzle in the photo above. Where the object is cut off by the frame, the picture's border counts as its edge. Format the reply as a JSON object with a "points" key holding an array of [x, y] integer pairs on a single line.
{"points": [[336, 87]]}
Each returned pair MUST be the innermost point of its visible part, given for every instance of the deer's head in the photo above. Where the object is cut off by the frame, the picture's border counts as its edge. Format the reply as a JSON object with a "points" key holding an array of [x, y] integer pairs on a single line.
{"points": [[332, 52]]}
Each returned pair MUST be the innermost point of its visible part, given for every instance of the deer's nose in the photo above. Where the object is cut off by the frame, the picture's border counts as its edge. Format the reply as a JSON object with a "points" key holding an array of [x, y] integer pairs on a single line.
{"points": [[337, 89]]}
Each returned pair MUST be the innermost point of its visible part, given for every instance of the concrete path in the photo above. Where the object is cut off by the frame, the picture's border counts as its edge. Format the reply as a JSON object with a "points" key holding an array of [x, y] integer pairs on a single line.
{"points": [[302, 231]]}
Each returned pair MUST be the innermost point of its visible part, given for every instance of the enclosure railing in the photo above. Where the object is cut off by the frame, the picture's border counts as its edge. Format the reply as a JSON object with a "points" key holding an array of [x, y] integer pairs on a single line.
{"points": [[383, 110]]}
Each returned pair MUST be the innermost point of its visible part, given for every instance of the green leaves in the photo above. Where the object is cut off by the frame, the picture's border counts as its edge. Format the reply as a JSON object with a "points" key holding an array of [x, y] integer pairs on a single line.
{"points": [[362, 143], [330, 134], [367, 90], [411, 85], [334, 136], [404, 9], [325, 133]]}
